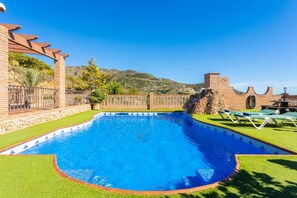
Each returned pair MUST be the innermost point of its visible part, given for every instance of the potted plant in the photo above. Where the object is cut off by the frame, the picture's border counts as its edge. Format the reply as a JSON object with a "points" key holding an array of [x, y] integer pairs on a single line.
{"points": [[96, 98]]}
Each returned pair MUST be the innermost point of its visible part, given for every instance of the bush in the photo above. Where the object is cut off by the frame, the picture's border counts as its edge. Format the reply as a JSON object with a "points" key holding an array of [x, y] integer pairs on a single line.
{"points": [[114, 88], [97, 96]]}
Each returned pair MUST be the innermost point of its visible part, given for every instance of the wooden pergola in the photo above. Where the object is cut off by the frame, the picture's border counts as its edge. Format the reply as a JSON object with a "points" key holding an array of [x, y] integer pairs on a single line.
{"points": [[10, 41]]}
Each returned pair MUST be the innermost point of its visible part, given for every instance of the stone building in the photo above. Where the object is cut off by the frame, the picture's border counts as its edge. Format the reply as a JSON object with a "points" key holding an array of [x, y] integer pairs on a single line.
{"points": [[237, 100]]}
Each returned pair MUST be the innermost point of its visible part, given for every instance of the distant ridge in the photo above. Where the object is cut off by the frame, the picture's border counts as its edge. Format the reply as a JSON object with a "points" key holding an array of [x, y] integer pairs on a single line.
{"points": [[144, 82]]}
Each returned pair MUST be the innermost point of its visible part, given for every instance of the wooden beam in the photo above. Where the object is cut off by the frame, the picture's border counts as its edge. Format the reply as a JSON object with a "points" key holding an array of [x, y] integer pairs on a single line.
{"points": [[11, 27], [43, 44], [29, 37], [54, 50], [25, 51], [23, 43], [18, 39], [64, 55], [13, 47]]}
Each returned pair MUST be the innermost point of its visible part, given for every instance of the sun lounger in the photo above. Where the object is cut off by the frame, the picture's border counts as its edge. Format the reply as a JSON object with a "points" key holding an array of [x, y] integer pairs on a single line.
{"points": [[290, 116], [227, 114]]}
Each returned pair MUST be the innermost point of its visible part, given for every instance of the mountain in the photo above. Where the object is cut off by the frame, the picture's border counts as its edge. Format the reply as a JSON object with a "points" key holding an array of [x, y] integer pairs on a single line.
{"points": [[144, 82]]}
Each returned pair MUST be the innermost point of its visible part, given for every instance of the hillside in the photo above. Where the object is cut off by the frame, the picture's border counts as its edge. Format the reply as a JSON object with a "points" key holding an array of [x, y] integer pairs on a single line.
{"points": [[132, 81], [144, 82]]}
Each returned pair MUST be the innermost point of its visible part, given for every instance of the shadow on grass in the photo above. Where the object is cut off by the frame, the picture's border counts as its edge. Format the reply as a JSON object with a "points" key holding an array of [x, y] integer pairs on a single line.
{"points": [[254, 184], [231, 124], [249, 125], [218, 119], [286, 163], [285, 130]]}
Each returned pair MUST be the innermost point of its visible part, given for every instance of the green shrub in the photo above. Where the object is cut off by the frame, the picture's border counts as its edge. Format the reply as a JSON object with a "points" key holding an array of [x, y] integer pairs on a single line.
{"points": [[114, 88], [97, 96]]}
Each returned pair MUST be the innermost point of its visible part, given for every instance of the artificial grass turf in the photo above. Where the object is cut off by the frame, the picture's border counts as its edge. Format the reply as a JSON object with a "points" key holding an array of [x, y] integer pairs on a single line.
{"points": [[282, 136], [34, 176], [24, 134], [259, 176]]}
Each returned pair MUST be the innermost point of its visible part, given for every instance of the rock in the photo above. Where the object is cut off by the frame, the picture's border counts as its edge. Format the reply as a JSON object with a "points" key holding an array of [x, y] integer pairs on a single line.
{"points": [[207, 101]]}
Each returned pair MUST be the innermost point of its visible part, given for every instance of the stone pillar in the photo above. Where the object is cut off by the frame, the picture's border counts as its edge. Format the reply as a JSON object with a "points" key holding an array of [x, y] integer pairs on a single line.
{"points": [[59, 69], [211, 80], [3, 72], [151, 101]]}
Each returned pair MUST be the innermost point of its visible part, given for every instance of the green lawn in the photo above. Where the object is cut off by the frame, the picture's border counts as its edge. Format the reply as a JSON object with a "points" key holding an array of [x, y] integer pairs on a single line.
{"points": [[34, 176], [285, 136], [23, 134]]}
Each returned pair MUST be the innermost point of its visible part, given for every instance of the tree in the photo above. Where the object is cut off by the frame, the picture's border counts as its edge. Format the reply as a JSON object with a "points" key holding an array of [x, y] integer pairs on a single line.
{"points": [[114, 88], [91, 78], [97, 96], [28, 77], [71, 82], [19, 61]]}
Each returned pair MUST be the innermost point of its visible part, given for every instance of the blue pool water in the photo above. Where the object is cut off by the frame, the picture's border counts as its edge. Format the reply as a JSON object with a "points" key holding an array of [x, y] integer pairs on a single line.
{"points": [[162, 152]]}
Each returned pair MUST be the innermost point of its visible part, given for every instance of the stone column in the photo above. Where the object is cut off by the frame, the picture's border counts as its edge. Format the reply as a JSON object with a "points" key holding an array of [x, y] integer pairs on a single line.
{"points": [[3, 72], [59, 69]]}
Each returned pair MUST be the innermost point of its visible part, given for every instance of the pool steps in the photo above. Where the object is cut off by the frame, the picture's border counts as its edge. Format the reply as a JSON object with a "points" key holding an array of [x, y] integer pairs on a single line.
{"points": [[201, 176], [26, 145]]}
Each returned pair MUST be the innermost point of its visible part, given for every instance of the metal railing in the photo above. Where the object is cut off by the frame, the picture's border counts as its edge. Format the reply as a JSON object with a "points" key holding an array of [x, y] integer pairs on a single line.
{"points": [[29, 98]]}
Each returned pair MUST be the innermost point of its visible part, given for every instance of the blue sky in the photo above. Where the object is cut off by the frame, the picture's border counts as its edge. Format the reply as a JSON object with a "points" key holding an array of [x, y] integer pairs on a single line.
{"points": [[253, 42]]}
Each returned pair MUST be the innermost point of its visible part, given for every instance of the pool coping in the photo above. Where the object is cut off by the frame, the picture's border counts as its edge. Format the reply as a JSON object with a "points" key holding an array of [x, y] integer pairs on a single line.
{"points": [[136, 192]]}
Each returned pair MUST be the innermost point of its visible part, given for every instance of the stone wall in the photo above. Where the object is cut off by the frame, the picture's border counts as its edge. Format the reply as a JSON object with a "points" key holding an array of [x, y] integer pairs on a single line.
{"points": [[235, 100], [20, 121], [3, 72]]}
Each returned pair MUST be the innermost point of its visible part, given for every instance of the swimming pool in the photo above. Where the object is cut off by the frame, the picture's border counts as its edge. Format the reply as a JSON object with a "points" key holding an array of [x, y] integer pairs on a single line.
{"points": [[152, 151]]}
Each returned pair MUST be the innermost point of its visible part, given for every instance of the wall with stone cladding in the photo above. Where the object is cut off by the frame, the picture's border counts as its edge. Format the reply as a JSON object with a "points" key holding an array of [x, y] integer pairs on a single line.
{"points": [[234, 100], [3, 72], [59, 79], [20, 121]]}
